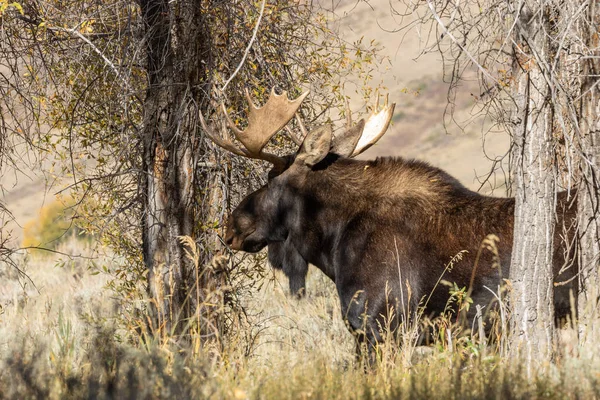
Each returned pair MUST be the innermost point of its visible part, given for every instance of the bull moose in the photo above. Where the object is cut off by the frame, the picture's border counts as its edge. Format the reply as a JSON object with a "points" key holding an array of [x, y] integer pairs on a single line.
{"points": [[383, 230]]}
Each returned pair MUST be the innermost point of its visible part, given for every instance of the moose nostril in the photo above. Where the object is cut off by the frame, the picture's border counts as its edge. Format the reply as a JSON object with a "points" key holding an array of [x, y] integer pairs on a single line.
{"points": [[229, 241]]}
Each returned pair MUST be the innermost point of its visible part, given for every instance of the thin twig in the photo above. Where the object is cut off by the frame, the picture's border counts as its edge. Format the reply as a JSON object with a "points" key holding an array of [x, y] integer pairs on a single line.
{"points": [[70, 256], [447, 32], [74, 31]]}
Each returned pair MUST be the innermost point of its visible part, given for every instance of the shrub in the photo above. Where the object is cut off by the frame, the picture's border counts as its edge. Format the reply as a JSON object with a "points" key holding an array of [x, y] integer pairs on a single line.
{"points": [[54, 226]]}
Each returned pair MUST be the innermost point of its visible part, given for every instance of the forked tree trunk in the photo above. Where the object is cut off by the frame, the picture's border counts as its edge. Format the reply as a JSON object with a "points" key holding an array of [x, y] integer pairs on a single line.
{"points": [[589, 188], [532, 323], [176, 69]]}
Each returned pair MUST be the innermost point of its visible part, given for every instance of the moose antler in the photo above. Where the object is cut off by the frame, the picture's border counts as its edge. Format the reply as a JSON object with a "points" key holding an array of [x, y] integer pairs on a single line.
{"points": [[358, 138], [376, 125], [263, 123]]}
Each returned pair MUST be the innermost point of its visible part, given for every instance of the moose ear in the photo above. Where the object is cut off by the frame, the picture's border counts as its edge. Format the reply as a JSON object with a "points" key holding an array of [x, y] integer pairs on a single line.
{"points": [[345, 143], [315, 146]]}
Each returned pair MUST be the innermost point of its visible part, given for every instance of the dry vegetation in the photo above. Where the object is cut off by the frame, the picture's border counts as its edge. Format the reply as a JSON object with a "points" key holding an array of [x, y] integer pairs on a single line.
{"points": [[70, 337]]}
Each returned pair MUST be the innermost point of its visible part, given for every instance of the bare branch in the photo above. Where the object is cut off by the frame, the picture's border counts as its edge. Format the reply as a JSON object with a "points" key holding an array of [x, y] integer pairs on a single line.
{"points": [[262, 9], [75, 32], [463, 48]]}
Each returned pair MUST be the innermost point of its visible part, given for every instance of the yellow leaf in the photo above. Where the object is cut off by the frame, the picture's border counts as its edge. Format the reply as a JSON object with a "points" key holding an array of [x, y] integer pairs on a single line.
{"points": [[18, 7]]}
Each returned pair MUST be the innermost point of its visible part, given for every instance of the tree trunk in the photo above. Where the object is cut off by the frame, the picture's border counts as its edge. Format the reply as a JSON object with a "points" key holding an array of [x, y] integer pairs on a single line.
{"points": [[532, 323], [176, 67], [589, 192]]}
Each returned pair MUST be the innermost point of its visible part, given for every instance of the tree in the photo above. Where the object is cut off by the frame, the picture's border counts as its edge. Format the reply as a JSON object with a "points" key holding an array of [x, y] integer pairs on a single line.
{"points": [[531, 272], [178, 62], [121, 87], [588, 109]]}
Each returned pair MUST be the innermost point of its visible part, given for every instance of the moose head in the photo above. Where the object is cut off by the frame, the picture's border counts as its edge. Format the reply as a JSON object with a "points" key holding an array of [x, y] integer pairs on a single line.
{"points": [[253, 224]]}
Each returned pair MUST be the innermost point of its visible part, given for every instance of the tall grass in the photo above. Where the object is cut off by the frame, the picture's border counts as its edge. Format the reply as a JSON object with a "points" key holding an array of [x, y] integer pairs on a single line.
{"points": [[66, 338]]}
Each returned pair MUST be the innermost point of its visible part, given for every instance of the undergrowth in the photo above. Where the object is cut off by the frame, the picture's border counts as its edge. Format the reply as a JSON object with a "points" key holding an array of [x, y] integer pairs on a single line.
{"points": [[66, 338]]}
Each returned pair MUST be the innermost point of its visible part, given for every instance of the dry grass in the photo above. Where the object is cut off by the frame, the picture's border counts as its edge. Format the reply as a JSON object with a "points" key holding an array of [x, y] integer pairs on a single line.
{"points": [[66, 340]]}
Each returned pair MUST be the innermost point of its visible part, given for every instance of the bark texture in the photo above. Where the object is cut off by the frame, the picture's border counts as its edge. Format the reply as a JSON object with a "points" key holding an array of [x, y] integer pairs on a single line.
{"points": [[176, 68], [589, 188], [532, 322]]}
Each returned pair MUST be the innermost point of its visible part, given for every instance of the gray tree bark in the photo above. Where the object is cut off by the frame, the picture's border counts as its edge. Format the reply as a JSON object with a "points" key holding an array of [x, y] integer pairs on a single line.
{"points": [[532, 332], [589, 187], [177, 61]]}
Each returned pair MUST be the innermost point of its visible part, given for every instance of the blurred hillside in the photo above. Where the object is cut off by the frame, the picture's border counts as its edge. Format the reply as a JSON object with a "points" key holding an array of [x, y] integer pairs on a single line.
{"points": [[415, 82]]}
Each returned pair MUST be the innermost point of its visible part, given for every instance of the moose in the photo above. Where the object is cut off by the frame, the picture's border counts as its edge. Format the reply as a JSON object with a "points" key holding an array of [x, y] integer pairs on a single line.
{"points": [[383, 230]]}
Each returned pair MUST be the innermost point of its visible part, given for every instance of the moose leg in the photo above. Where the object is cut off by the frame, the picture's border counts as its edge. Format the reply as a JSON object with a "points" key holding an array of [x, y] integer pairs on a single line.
{"points": [[360, 321]]}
